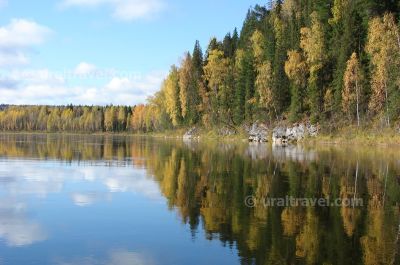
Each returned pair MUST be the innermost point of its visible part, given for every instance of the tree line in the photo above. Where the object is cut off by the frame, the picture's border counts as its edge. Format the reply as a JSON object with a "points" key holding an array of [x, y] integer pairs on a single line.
{"points": [[66, 118], [323, 60], [317, 60]]}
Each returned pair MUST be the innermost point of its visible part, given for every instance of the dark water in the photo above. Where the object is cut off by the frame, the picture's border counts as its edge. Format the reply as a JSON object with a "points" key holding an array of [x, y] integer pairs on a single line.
{"points": [[137, 201]]}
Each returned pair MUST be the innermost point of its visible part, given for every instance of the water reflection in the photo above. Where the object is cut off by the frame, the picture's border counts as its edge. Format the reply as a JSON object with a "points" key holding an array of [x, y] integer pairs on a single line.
{"points": [[116, 257], [206, 183], [15, 227]]}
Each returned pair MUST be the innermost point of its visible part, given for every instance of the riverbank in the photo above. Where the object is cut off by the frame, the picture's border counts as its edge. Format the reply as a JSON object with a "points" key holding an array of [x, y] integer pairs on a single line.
{"points": [[357, 136], [348, 135]]}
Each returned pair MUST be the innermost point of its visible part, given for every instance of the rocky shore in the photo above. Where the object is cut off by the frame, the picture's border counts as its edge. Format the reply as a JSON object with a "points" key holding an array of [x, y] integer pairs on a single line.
{"points": [[260, 133]]}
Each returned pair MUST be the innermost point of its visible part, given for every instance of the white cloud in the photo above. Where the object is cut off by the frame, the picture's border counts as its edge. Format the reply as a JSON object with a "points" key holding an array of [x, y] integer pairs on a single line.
{"points": [[17, 38], [85, 68], [10, 58], [136, 9], [127, 10], [42, 86], [22, 33], [35, 76]]}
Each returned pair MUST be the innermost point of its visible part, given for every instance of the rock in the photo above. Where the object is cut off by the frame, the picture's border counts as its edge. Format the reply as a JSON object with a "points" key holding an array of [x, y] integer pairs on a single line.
{"points": [[296, 133], [192, 133], [279, 136], [258, 133], [312, 130]]}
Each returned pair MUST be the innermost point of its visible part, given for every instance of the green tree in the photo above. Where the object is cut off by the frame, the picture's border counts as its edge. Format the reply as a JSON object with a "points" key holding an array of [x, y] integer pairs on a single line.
{"points": [[188, 94]]}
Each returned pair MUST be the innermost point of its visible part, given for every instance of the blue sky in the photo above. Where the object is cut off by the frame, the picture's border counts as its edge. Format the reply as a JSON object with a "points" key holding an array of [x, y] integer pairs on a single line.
{"points": [[101, 51]]}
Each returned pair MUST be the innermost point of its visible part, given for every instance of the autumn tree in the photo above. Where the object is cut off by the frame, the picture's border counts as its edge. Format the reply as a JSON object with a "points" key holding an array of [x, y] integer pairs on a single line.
{"points": [[351, 94], [313, 44], [296, 69], [172, 98], [121, 118], [384, 48], [258, 47], [109, 119], [264, 87], [216, 73]]}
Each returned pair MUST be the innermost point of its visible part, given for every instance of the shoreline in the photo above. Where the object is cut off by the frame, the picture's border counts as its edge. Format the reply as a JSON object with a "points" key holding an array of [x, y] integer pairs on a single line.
{"points": [[387, 138]]}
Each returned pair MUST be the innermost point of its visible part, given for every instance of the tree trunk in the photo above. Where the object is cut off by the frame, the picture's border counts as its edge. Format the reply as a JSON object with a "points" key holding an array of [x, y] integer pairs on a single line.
{"points": [[358, 112], [387, 106], [355, 186]]}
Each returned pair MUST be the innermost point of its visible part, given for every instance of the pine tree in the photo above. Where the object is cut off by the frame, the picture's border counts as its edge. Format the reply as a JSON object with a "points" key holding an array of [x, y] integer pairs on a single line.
{"points": [[189, 94], [197, 59], [240, 87]]}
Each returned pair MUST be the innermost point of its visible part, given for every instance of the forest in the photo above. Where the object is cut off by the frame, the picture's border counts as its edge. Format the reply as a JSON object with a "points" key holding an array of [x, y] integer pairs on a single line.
{"points": [[333, 62]]}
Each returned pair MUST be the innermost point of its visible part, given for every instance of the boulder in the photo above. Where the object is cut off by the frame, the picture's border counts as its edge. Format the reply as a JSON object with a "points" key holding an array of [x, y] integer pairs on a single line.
{"points": [[312, 130], [258, 133], [284, 135], [296, 133], [279, 136]]}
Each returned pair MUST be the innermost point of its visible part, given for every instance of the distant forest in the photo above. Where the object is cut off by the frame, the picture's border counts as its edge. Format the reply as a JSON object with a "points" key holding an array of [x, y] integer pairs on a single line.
{"points": [[327, 61]]}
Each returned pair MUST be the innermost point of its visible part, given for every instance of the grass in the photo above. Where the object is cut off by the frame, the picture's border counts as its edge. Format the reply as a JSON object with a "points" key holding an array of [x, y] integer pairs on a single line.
{"points": [[359, 136], [344, 135]]}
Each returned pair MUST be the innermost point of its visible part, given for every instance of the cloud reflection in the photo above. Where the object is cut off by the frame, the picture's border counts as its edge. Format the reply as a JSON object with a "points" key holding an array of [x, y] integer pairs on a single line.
{"points": [[115, 257], [15, 227], [22, 180], [87, 199]]}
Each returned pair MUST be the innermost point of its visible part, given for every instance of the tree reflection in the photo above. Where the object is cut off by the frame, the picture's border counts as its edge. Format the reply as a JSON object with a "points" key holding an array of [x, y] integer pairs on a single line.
{"points": [[207, 183]]}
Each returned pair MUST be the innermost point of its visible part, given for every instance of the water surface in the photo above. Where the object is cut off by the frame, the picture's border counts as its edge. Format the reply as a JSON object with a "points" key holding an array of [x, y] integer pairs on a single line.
{"points": [[68, 199]]}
